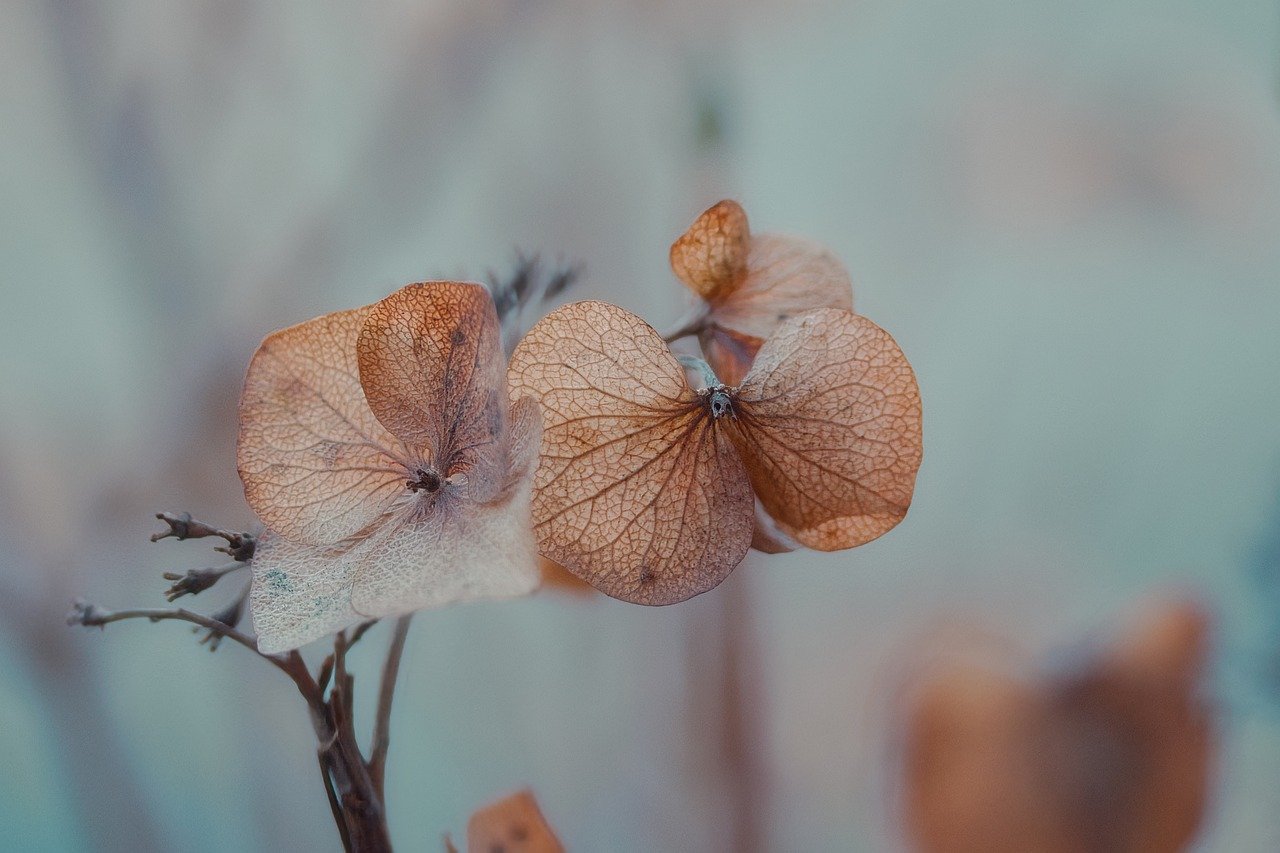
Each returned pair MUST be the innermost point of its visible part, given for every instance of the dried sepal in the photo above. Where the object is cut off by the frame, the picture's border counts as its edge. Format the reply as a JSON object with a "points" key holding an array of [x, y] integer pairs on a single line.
{"points": [[317, 466], [513, 824], [711, 257], [829, 426], [636, 491]]}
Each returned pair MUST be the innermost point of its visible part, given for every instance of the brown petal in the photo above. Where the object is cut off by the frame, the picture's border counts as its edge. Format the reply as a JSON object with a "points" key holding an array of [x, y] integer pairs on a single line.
{"points": [[711, 257], [513, 824], [316, 464], [828, 424], [431, 365], [635, 492]]}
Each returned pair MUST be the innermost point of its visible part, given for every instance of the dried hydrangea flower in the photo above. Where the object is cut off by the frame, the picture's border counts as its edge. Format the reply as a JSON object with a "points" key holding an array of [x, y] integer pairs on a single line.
{"points": [[750, 284], [646, 486], [379, 448]]}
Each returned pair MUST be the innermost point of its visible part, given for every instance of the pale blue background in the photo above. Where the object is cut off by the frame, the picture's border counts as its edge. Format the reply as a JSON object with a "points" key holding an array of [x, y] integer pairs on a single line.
{"points": [[1067, 214]]}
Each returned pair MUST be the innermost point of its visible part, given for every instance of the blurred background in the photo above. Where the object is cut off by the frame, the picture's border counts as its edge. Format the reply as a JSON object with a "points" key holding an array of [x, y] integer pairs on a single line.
{"points": [[1067, 214]]}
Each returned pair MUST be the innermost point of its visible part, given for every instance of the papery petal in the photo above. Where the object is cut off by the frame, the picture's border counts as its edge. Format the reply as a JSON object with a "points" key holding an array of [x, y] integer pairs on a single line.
{"points": [[711, 257], [635, 491], [829, 426], [317, 466], [431, 364]]}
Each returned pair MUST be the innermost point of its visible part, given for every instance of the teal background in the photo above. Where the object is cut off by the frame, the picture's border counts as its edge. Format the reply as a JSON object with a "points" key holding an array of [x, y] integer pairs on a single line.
{"points": [[1067, 214]]}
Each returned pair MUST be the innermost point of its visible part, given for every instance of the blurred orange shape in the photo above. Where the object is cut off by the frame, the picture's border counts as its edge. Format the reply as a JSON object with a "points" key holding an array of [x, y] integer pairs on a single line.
{"points": [[1111, 755], [647, 488], [513, 824], [379, 448], [751, 284]]}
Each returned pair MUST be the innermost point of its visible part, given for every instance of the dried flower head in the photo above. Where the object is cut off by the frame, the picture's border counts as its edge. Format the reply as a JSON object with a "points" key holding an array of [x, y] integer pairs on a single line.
{"points": [[751, 284], [646, 486], [378, 447]]}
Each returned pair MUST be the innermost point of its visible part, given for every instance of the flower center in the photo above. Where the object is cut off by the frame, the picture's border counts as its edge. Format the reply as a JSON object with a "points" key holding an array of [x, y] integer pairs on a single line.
{"points": [[428, 480]]}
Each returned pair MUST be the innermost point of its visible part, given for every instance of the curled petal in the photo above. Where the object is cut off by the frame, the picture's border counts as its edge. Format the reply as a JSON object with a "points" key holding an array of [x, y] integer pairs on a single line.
{"points": [[317, 466], [711, 257], [829, 426], [431, 364], [635, 492]]}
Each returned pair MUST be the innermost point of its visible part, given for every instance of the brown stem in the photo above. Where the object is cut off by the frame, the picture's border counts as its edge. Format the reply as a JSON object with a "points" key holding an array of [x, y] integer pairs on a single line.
{"points": [[382, 723]]}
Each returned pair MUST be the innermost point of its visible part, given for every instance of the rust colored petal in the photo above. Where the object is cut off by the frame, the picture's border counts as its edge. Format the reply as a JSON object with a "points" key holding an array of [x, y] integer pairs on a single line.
{"points": [[513, 824], [636, 492], [711, 257], [828, 424], [431, 364], [317, 466]]}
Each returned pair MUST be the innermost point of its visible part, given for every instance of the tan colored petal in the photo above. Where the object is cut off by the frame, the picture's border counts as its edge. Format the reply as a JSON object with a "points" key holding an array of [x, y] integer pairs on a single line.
{"points": [[317, 466], [635, 491], [431, 364], [513, 824], [711, 257], [828, 424]]}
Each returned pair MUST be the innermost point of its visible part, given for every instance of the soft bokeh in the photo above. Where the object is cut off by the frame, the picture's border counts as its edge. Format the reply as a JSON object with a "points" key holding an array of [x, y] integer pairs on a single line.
{"points": [[1067, 215]]}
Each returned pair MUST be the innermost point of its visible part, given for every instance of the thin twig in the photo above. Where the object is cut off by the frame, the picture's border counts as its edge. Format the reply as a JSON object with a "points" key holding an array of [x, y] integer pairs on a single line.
{"points": [[91, 615], [382, 723]]}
